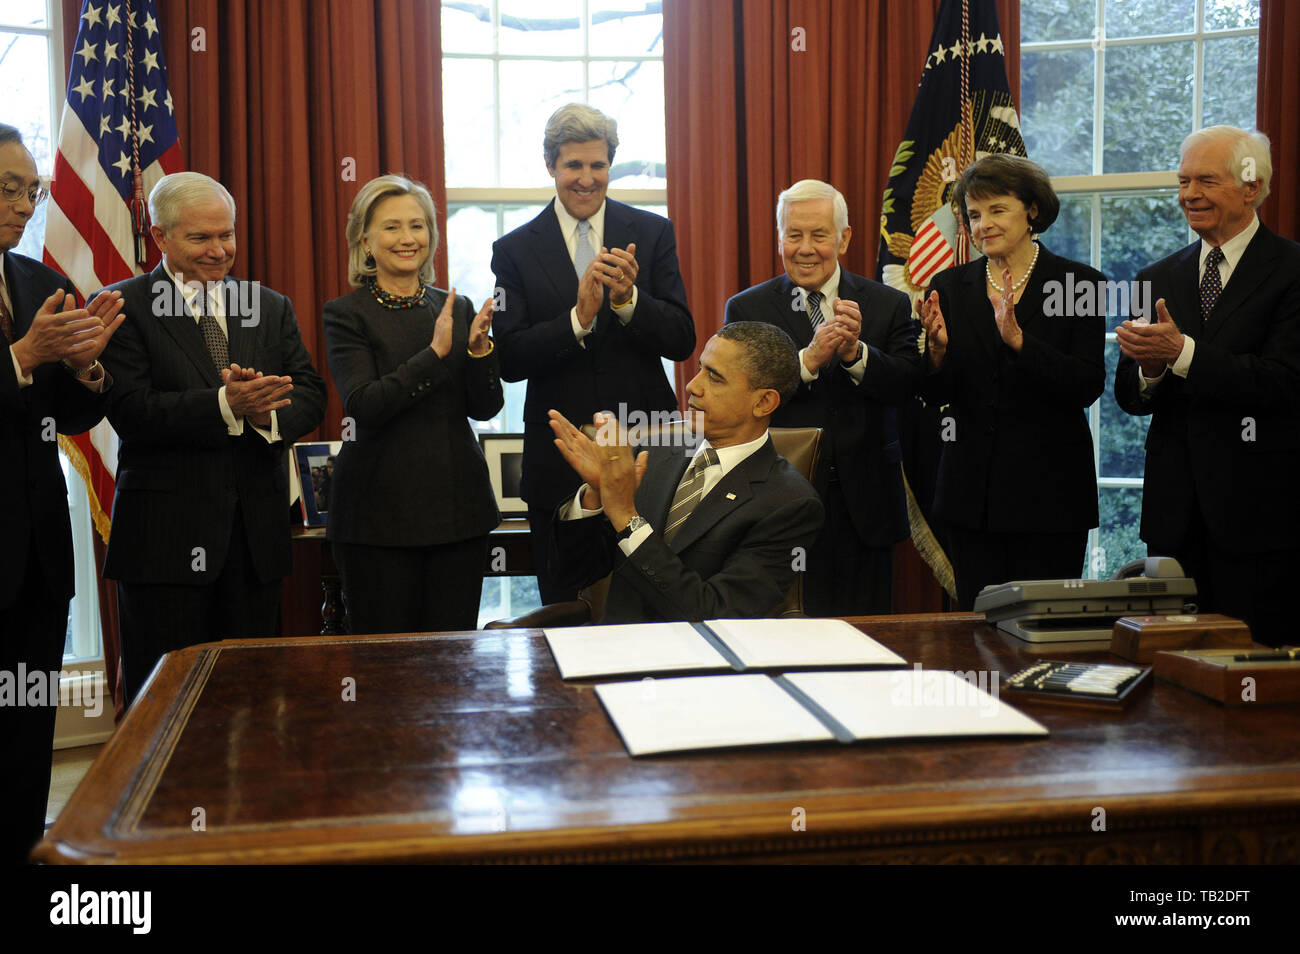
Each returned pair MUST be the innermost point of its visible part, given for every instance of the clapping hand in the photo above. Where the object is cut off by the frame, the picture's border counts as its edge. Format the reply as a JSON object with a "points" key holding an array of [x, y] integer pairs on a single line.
{"points": [[936, 330], [1004, 310], [442, 327]]}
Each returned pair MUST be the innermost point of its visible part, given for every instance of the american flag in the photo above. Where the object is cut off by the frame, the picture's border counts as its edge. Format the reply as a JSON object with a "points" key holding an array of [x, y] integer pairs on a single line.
{"points": [[117, 139]]}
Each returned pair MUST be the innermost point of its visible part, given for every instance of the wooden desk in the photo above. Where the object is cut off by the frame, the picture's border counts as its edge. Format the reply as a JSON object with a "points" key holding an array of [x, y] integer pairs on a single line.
{"points": [[469, 747]]}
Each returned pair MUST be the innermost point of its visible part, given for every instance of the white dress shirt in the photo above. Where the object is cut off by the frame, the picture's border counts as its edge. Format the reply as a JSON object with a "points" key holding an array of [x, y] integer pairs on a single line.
{"points": [[728, 459], [217, 307], [569, 229], [1232, 250], [830, 291]]}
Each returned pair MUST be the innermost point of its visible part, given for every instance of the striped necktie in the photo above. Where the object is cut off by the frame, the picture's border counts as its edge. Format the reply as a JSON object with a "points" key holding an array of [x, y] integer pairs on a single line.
{"points": [[815, 317], [6, 319], [689, 492]]}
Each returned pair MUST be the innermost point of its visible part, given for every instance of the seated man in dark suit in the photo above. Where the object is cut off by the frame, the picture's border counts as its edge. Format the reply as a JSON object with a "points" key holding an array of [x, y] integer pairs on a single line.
{"points": [[211, 384], [1219, 373], [591, 302], [720, 538], [858, 361], [51, 383]]}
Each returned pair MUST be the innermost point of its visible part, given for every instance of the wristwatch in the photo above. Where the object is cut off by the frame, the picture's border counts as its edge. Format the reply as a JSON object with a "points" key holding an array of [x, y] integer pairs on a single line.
{"points": [[633, 525]]}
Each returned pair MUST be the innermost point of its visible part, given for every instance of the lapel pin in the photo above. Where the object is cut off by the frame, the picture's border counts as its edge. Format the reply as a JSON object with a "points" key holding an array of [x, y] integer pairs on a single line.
{"points": [[731, 496]]}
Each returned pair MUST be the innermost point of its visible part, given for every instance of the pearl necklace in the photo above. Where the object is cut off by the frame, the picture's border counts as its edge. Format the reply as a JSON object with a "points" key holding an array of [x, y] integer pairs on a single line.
{"points": [[988, 270]]}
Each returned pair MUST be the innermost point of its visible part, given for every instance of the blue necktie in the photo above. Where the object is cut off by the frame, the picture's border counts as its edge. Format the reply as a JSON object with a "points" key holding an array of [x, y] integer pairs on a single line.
{"points": [[584, 253]]}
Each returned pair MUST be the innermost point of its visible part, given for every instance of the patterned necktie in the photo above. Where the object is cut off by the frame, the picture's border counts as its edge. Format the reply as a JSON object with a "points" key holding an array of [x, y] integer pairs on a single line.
{"points": [[815, 317], [584, 253], [6, 319], [213, 336], [689, 492], [1211, 284]]}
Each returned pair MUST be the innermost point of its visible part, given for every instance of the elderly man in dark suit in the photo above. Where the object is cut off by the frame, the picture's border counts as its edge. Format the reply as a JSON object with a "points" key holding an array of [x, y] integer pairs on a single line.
{"points": [[591, 301], [212, 383], [858, 361], [1219, 372], [50, 380], [691, 533]]}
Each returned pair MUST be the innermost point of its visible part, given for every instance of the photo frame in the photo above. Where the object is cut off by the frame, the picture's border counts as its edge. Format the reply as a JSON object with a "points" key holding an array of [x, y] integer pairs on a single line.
{"points": [[504, 454], [312, 464]]}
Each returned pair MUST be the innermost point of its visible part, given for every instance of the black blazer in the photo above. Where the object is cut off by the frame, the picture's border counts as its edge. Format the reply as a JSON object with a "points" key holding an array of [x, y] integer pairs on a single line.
{"points": [[180, 474], [414, 474], [1226, 439], [859, 421], [31, 477], [616, 365], [1017, 456], [733, 557]]}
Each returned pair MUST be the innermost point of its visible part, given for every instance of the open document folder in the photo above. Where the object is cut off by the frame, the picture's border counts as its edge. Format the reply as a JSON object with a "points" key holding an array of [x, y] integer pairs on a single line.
{"points": [[710, 712], [719, 645]]}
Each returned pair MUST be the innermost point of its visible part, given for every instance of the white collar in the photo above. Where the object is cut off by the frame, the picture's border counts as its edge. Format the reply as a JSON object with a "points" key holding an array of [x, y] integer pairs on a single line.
{"points": [[733, 456], [569, 225], [1232, 249]]}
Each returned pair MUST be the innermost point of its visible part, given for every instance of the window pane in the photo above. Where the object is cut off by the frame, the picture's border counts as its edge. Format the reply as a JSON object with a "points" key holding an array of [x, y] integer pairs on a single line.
{"points": [[1122, 434], [470, 132], [1148, 17], [633, 93], [1058, 111], [542, 27], [466, 27], [1148, 106], [23, 13], [620, 27], [1138, 230], [1230, 14], [1231, 69], [530, 92], [471, 230], [25, 78], [1121, 514], [1071, 234], [1043, 20]]}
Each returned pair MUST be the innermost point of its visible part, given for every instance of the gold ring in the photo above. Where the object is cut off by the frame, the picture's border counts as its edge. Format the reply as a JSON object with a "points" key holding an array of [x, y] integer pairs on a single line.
{"points": [[612, 457]]}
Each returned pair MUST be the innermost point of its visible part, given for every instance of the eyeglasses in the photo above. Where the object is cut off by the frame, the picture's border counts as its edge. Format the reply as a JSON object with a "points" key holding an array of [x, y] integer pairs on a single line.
{"points": [[35, 194]]}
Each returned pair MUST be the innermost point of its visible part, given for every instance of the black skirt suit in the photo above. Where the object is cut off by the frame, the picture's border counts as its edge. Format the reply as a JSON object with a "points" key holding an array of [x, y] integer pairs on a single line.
{"points": [[410, 501], [1017, 484]]}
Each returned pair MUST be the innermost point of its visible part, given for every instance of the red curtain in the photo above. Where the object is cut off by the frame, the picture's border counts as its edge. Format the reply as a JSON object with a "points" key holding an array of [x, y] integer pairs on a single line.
{"points": [[293, 105], [1278, 111], [748, 115]]}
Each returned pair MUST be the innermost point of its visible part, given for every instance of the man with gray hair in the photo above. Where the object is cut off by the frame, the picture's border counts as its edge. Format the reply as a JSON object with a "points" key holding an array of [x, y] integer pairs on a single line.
{"points": [[1218, 369], [211, 384], [591, 302], [858, 360]]}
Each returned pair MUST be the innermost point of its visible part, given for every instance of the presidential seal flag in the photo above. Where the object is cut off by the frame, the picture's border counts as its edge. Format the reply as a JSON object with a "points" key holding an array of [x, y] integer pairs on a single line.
{"points": [[117, 137], [963, 110]]}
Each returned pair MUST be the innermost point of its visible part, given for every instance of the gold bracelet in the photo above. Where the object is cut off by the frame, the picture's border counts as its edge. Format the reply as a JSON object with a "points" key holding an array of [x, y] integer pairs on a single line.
{"points": [[492, 346]]}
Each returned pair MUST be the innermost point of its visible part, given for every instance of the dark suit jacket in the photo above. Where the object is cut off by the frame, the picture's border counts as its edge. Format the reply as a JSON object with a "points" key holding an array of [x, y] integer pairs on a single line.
{"points": [[1244, 377], [733, 557], [31, 478], [1020, 459], [859, 421], [180, 474], [414, 474], [618, 365]]}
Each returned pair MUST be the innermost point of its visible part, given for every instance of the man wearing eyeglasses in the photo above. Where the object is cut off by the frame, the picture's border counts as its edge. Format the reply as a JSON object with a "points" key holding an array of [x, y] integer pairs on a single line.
{"points": [[51, 382]]}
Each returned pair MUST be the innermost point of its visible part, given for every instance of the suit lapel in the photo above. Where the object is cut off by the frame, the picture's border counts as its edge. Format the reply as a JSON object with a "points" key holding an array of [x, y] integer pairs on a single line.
{"points": [[241, 341], [23, 296], [553, 255], [179, 323], [657, 495], [981, 320], [1186, 294], [793, 322], [1253, 267], [733, 491]]}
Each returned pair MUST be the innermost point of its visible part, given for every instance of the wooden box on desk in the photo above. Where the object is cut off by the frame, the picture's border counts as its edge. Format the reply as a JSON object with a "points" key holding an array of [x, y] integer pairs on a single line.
{"points": [[1215, 673], [1139, 638]]}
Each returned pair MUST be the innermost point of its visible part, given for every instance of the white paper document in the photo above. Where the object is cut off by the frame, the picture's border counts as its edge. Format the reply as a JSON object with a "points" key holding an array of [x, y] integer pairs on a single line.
{"points": [[707, 712], [583, 651], [776, 643], [912, 703]]}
